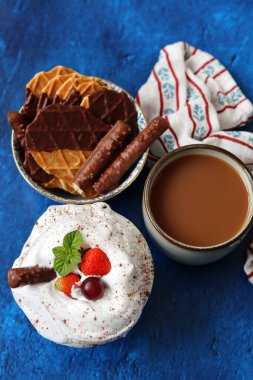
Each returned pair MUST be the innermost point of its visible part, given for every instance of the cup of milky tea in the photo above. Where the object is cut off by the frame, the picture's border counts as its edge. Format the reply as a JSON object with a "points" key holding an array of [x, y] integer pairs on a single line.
{"points": [[198, 203]]}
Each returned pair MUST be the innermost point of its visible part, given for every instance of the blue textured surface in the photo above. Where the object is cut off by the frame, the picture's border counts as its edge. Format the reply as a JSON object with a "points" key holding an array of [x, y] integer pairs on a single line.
{"points": [[198, 323]]}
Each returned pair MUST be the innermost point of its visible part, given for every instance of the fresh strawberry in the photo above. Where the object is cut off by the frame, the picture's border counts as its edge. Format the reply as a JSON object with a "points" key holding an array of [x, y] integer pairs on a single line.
{"points": [[65, 283], [95, 262]]}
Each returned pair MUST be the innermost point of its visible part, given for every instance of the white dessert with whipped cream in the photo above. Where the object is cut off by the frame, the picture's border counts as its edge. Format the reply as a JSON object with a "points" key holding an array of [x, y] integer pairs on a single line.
{"points": [[78, 321]]}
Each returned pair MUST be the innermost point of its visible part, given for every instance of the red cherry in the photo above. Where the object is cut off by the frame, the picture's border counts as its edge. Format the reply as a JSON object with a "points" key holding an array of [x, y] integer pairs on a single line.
{"points": [[92, 288]]}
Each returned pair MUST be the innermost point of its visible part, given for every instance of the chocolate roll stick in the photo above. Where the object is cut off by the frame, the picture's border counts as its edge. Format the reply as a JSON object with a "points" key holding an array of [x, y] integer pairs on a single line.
{"points": [[102, 155], [113, 174], [30, 276]]}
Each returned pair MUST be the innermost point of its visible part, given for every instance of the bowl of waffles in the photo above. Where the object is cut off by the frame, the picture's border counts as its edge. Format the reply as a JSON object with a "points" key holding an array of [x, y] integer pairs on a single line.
{"points": [[74, 139]]}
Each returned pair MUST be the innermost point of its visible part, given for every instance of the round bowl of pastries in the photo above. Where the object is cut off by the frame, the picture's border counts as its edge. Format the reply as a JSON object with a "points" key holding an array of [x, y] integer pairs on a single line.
{"points": [[78, 139]]}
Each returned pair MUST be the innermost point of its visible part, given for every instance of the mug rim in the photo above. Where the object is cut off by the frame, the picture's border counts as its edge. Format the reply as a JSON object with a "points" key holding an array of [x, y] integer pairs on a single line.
{"points": [[155, 171]]}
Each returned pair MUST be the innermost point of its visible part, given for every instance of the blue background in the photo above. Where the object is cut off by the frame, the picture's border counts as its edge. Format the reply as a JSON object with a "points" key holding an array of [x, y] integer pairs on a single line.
{"points": [[198, 323]]}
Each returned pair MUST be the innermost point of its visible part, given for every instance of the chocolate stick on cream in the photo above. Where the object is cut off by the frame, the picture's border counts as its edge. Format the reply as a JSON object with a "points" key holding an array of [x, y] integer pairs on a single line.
{"points": [[102, 155], [113, 174], [30, 276]]}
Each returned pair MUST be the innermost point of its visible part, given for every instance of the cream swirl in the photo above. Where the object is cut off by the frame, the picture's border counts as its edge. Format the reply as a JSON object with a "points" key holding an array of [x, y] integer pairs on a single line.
{"points": [[80, 322]]}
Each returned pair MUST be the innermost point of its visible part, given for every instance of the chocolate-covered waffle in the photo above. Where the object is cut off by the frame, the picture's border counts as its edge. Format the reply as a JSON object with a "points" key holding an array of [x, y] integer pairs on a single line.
{"points": [[62, 164], [61, 138], [85, 85], [59, 85], [40, 80], [60, 89], [20, 120], [111, 106], [35, 86]]}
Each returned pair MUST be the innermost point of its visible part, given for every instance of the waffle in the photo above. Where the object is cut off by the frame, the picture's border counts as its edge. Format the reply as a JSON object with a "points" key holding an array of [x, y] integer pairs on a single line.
{"points": [[40, 80], [63, 164], [62, 127], [49, 92], [35, 171], [73, 189], [110, 106], [60, 139], [59, 184], [53, 85], [83, 84]]}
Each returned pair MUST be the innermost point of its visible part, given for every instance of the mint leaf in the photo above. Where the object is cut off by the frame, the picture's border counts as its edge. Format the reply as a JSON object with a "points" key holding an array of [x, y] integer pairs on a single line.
{"points": [[61, 266], [75, 257], [57, 250], [69, 254], [73, 240]]}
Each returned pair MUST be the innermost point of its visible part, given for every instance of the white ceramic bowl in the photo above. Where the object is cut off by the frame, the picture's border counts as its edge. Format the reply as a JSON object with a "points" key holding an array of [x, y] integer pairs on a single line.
{"points": [[64, 197], [182, 252]]}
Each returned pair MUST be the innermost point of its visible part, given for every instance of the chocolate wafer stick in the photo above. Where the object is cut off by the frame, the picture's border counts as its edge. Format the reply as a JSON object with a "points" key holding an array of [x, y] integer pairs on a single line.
{"points": [[113, 174], [30, 276], [102, 155]]}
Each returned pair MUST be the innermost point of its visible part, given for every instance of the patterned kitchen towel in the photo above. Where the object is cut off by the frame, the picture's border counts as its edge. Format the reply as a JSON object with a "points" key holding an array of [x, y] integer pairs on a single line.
{"points": [[202, 103]]}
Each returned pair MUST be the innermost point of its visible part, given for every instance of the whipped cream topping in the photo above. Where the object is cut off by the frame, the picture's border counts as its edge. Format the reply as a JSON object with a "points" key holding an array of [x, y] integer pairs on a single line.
{"points": [[81, 322]]}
